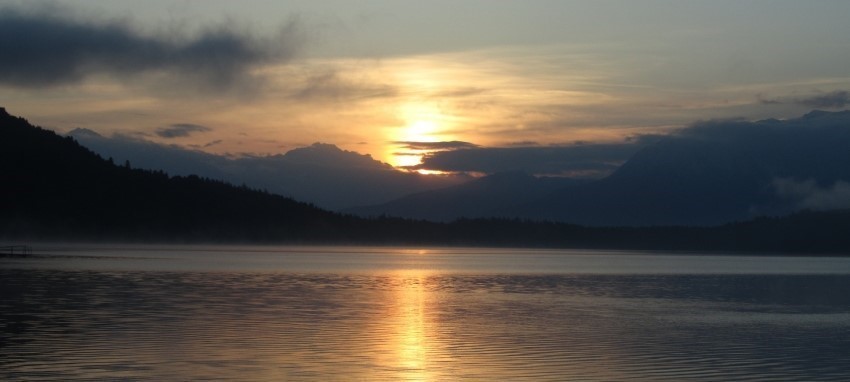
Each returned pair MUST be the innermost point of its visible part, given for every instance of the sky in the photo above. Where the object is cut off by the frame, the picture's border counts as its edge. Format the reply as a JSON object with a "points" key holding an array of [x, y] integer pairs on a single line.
{"points": [[409, 81]]}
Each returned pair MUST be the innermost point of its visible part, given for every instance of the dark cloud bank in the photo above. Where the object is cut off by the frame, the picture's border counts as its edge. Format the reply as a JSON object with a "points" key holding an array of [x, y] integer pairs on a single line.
{"points": [[714, 172], [581, 160], [831, 100], [43, 49], [437, 146], [179, 130]]}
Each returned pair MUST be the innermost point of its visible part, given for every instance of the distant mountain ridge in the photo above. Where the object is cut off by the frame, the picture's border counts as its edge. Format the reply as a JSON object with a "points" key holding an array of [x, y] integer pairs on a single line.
{"points": [[481, 198], [322, 174], [711, 173], [55, 189]]}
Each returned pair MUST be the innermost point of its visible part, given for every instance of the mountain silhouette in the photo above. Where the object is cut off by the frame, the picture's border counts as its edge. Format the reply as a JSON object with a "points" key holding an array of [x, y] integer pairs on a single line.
{"points": [[711, 173], [483, 197], [708, 174], [55, 189], [322, 174]]}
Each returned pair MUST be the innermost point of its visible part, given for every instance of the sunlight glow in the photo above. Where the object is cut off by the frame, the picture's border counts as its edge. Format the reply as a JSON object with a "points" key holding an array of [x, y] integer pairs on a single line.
{"points": [[412, 336], [418, 131], [421, 131], [432, 172], [424, 122], [412, 159], [407, 160]]}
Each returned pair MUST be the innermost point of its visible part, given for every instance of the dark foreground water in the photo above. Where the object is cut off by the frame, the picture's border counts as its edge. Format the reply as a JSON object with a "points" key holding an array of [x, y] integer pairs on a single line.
{"points": [[226, 313]]}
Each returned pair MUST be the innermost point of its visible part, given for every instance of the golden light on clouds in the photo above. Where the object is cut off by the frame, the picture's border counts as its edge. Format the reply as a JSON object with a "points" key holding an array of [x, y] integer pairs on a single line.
{"points": [[420, 130], [489, 98], [474, 97]]}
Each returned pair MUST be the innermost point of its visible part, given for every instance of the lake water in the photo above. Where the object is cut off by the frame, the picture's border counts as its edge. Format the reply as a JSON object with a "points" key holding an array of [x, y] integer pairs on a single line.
{"points": [[420, 314]]}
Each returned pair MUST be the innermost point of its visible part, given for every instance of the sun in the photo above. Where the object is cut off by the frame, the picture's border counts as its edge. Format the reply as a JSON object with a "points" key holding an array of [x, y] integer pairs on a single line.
{"points": [[406, 160], [421, 123], [405, 154], [421, 131]]}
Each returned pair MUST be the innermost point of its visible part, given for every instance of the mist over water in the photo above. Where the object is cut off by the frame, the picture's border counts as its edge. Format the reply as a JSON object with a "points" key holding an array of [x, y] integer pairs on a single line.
{"points": [[421, 315]]}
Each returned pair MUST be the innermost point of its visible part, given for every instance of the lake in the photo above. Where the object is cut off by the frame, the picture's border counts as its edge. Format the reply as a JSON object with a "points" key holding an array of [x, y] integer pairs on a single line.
{"points": [[420, 314]]}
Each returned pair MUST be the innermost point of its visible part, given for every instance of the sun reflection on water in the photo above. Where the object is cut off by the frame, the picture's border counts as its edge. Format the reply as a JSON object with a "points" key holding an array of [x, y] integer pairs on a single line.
{"points": [[412, 336]]}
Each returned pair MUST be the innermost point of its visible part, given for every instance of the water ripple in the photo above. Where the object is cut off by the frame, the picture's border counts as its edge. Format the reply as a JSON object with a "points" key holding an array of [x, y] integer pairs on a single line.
{"points": [[421, 326]]}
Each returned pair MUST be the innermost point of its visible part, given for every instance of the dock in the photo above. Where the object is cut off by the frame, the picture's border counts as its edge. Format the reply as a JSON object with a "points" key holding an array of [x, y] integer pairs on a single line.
{"points": [[15, 250]]}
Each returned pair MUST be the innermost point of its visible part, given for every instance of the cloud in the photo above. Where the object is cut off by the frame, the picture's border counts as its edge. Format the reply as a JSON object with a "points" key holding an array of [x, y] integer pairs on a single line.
{"points": [[179, 130], [332, 86], [820, 126], [646, 139], [206, 145], [523, 143], [585, 160], [407, 154], [435, 146], [768, 101], [459, 92], [814, 146], [810, 195], [832, 100], [42, 49], [835, 99]]}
